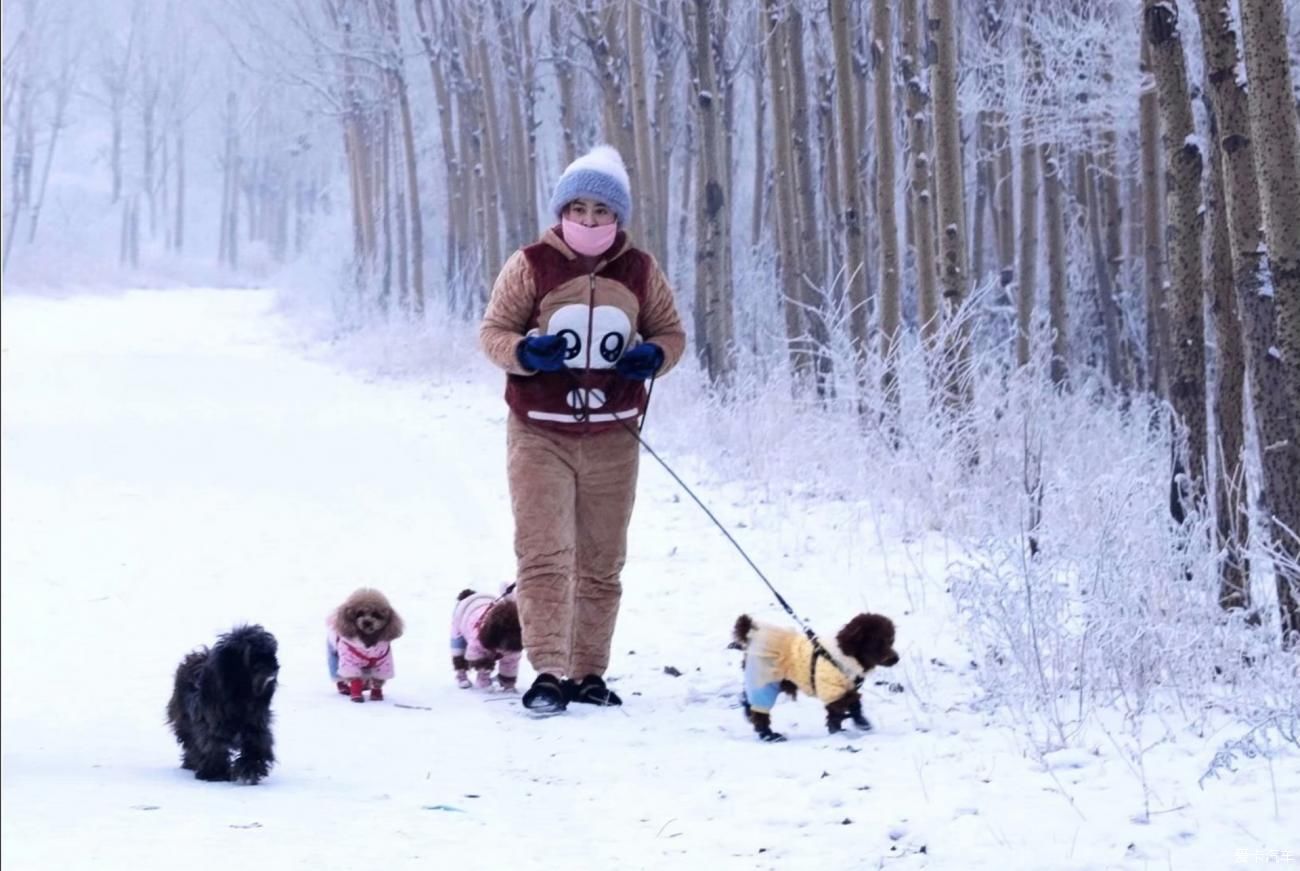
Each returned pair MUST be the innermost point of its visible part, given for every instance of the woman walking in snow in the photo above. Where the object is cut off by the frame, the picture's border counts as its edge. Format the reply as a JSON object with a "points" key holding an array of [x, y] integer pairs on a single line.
{"points": [[579, 320]]}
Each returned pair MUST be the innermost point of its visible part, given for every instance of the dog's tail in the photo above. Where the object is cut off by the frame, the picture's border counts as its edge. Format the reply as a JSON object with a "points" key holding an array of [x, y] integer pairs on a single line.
{"points": [[465, 594], [740, 634]]}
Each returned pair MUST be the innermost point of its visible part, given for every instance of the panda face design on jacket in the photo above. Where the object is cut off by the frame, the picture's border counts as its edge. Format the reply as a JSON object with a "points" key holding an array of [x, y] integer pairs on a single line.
{"points": [[594, 337], [596, 318]]}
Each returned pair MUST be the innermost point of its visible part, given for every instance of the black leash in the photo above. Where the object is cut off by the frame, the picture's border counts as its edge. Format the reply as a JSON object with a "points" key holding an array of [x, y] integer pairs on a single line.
{"points": [[819, 649]]}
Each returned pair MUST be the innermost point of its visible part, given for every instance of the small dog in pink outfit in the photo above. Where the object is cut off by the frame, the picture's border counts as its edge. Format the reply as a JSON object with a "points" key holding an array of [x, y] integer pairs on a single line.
{"points": [[485, 632], [359, 647]]}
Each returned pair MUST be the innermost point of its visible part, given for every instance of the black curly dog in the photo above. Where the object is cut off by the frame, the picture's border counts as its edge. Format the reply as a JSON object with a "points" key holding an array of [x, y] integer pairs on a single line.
{"points": [[222, 701]]}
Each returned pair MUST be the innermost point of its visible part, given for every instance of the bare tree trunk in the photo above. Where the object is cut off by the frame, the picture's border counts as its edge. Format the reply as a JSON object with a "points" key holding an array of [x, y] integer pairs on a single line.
{"points": [[1230, 506], [518, 200], [954, 278], [812, 258], [760, 149], [643, 168], [384, 205], [663, 35], [886, 211], [397, 79], [1252, 297], [713, 232], [1276, 141], [454, 177], [1027, 291], [600, 37], [983, 192], [909, 69], [179, 236], [492, 175], [21, 166], [787, 230], [229, 247], [1183, 167], [1107, 306], [1054, 218], [1001, 175], [849, 202], [563, 60], [1153, 247]]}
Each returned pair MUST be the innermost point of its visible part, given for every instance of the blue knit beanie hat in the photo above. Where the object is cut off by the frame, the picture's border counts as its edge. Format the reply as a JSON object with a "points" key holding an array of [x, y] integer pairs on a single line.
{"points": [[599, 175]]}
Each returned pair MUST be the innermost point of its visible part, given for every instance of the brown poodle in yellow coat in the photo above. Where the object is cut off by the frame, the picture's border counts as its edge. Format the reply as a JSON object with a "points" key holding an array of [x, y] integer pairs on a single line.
{"points": [[780, 659]]}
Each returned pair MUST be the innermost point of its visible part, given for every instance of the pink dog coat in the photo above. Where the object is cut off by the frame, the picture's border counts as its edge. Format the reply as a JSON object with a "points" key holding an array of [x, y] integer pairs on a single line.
{"points": [[358, 660], [465, 621]]}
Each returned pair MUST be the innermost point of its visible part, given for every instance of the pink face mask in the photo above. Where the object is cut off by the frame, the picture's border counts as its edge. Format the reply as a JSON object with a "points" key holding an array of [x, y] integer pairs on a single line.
{"points": [[588, 241]]}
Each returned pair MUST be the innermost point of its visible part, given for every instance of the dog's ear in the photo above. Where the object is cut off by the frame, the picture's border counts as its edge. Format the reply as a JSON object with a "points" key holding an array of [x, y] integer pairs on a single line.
{"points": [[740, 632], [225, 673], [868, 638], [393, 628], [500, 629]]}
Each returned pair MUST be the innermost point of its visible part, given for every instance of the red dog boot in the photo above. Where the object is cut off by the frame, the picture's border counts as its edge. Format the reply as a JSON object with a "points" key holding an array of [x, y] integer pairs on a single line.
{"points": [[343, 687], [377, 691], [354, 689]]}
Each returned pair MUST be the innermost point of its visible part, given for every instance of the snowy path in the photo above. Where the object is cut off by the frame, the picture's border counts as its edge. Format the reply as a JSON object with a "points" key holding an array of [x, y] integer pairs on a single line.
{"points": [[171, 465]]}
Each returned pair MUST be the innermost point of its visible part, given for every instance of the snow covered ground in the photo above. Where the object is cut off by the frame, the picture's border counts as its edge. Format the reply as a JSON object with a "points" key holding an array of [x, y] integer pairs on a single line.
{"points": [[174, 462]]}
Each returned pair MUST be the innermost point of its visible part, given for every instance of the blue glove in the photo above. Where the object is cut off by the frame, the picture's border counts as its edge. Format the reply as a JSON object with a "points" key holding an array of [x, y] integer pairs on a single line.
{"points": [[640, 362], [542, 353]]}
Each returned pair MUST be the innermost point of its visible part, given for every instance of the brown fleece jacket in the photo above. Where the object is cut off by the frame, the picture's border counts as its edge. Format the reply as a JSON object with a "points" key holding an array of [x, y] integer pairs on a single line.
{"points": [[602, 310]]}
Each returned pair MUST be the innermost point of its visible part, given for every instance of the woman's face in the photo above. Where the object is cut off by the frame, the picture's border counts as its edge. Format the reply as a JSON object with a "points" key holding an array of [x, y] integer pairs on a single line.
{"points": [[589, 213]]}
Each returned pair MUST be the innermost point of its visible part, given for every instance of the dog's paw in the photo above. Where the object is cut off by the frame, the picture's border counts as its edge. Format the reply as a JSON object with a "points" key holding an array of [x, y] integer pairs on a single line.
{"points": [[250, 771], [863, 724], [213, 774]]}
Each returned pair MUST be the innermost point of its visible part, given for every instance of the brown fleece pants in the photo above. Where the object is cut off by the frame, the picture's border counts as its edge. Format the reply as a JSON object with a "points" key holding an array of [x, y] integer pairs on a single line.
{"points": [[572, 497]]}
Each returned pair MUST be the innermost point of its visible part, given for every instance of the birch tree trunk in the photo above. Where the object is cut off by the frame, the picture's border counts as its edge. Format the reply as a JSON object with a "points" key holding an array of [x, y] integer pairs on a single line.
{"points": [[953, 274], [415, 249], [1153, 249], [812, 260], [1054, 218], [644, 184], [1276, 146], [713, 281], [562, 58], [994, 27], [886, 211], [518, 198], [1027, 282], [663, 37], [454, 175], [850, 181], [787, 229], [909, 68], [1230, 507], [179, 237], [1107, 305], [491, 162], [1183, 167], [760, 149]]}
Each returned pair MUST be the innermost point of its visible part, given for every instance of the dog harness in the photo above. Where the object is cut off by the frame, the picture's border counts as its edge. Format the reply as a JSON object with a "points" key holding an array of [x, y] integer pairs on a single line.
{"points": [[818, 652], [368, 661]]}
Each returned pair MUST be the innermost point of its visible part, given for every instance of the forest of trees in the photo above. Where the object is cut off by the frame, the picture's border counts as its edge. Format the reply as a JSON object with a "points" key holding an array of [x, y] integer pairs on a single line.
{"points": [[1105, 188]]}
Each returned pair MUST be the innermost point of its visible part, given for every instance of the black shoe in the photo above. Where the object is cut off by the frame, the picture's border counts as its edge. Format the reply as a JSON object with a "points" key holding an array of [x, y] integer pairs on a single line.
{"points": [[546, 695], [591, 691]]}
